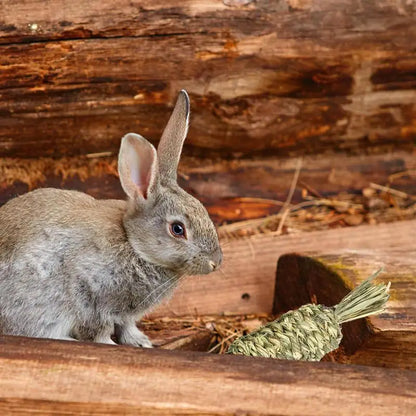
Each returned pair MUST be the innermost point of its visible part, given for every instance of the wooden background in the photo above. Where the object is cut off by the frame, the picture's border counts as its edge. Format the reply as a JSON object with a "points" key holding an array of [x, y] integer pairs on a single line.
{"points": [[333, 81], [267, 77]]}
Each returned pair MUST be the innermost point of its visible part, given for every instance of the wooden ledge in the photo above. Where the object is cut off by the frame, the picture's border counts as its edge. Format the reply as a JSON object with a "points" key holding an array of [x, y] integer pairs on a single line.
{"points": [[52, 377]]}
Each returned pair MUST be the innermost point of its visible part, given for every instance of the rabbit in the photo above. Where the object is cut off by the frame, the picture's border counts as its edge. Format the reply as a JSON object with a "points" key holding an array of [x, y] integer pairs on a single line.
{"points": [[77, 268]]}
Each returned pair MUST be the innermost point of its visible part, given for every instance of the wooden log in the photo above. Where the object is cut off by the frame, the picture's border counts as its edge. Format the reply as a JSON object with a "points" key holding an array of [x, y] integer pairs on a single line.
{"points": [[53, 377], [387, 339], [231, 190], [291, 77], [246, 281]]}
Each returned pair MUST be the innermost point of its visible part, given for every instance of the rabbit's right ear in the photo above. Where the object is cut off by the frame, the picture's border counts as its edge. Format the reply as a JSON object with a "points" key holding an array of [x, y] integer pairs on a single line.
{"points": [[170, 145], [137, 166]]}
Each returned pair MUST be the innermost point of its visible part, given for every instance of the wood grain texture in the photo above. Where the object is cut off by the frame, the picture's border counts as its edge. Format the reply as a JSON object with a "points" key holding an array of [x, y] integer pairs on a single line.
{"points": [[387, 339], [231, 190], [249, 267], [399, 268], [52, 377], [285, 77], [391, 349]]}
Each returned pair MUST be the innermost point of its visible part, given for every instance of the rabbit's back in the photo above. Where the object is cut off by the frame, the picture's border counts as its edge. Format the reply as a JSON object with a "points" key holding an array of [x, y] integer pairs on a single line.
{"points": [[43, 211]]}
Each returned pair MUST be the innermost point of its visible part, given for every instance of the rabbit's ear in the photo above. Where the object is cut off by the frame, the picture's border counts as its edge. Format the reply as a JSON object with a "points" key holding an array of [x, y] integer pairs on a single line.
{"points": [[137, 166], [170, 146]]}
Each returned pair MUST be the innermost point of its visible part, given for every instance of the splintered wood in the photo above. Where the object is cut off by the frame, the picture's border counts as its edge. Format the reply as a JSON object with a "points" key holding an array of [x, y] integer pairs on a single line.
{"points": [[330, 191]]}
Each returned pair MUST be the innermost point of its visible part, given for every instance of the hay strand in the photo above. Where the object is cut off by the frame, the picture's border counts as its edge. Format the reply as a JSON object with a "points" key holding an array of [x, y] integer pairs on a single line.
{"points": [[365, 300]]}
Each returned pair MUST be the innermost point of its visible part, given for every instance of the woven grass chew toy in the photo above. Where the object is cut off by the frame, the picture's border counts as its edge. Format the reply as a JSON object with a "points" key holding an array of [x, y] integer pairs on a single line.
{"points": [[312, 331]]}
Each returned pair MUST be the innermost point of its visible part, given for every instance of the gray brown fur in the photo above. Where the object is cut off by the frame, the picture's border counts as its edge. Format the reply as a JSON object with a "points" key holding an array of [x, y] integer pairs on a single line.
{"points": [[73, 267]]}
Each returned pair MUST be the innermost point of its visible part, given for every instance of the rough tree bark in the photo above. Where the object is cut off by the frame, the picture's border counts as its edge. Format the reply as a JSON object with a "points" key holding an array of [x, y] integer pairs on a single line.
{"points": [[265, 77]]}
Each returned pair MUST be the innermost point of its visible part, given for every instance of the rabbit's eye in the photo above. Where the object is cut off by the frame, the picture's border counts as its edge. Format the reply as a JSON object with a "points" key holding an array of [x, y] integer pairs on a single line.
{"points": [[177, 229]]}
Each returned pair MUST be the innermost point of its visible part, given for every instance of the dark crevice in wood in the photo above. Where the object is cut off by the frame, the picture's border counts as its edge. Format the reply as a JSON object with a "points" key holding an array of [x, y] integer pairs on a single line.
{"points": [[301, 280], [50, 41]]}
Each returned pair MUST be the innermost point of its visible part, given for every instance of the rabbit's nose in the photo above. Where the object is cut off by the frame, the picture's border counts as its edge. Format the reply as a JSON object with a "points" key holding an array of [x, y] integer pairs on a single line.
{"points": [[213, 265]]}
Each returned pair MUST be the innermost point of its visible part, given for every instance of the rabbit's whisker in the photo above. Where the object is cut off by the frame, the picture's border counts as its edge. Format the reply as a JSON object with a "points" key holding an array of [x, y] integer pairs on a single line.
{"points": [[165, 290], [162, 294], [221, 271], [157, 289]]}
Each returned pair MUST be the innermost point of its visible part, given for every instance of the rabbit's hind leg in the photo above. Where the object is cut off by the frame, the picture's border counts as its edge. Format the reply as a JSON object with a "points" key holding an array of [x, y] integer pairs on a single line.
{"points": [[60, 329], [94, 329]]}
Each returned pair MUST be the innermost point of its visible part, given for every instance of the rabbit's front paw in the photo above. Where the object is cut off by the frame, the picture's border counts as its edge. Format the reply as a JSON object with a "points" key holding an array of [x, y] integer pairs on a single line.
{"points": [[131, 335]]}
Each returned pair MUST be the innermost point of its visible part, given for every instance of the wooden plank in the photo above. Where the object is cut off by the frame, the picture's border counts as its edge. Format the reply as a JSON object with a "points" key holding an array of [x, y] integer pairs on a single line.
{"points": [[266, 78], [231, 190], [246, 281], [387, 339], [391, 349], [52, 377]]}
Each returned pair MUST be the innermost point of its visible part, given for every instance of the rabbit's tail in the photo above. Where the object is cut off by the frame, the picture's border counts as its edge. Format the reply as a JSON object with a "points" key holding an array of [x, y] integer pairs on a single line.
{"points": [[366, 299]]}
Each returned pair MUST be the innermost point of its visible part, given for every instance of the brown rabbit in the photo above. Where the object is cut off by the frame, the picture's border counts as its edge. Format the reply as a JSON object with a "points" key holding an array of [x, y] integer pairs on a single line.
{"points": [[74, 267]]}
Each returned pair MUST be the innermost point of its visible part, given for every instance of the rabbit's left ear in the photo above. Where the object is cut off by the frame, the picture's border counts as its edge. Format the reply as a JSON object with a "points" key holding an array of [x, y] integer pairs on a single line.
{"points": [[137, 167], [171, 143]]}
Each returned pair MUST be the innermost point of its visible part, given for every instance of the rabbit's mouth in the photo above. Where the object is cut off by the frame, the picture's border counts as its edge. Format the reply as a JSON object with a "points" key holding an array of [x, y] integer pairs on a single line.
{"points": [[205, 263]]}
